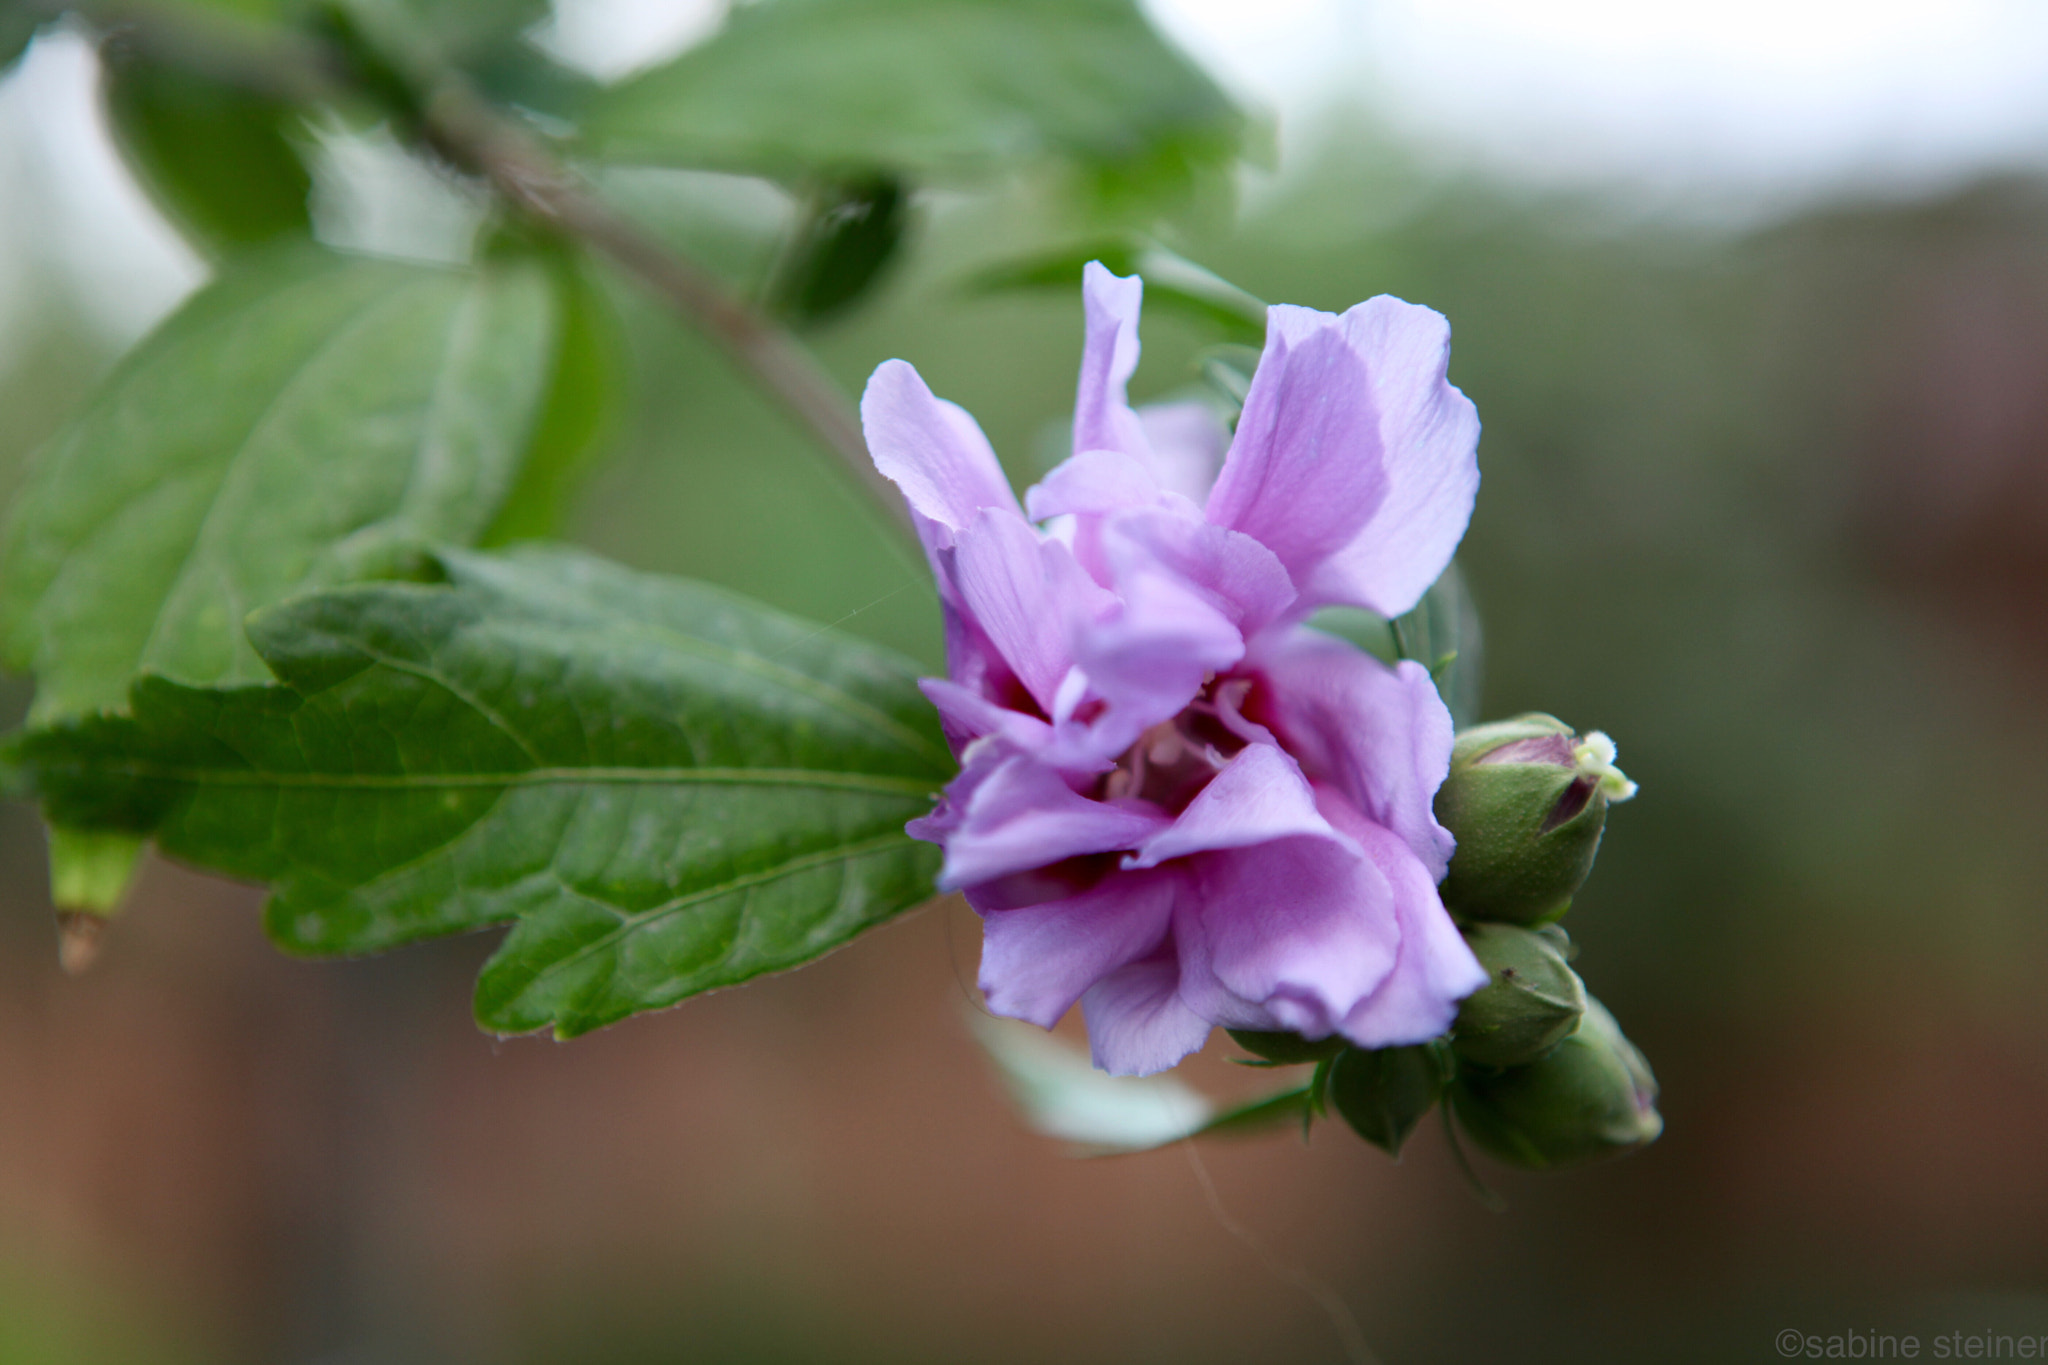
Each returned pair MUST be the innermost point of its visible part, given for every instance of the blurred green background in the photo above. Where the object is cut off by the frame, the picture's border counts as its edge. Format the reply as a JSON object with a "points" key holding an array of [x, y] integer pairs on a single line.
{"points": [[1769, 504]]}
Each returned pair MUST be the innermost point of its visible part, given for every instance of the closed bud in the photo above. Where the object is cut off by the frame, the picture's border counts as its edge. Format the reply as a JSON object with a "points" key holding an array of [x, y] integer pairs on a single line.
{"points": [[1532, 1003], [1591, 1096], [1527, 800]]}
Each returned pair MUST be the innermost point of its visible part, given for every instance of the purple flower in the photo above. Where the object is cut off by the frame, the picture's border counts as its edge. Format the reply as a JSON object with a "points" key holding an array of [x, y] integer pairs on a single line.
{"points": [[1177, 804]]}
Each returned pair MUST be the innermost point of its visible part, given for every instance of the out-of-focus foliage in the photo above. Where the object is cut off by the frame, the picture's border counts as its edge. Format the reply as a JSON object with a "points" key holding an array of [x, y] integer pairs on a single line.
{"points": [[1171, 281], [219, 160], [667, 787], [584, 394], [18, 25], [849, 236], [946, 88]]}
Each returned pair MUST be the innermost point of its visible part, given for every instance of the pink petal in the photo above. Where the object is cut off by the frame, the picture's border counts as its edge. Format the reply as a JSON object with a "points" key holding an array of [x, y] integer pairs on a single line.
{"points": [[966, 716], [931, 449], [1382, 736], [1103, 419], [1037, 960], [1137, 1022], [1435, 969], [1354, 461], [1430, 434], [1260, 795], [1019, 593], [1237, 575], [1187, 442], [1303, 928], [1017, 814], [1093, 482]]}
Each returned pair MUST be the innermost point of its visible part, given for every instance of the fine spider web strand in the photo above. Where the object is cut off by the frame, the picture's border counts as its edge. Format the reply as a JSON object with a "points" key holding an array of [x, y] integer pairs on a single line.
{"points": [[971, 994], [910, 582], [1342, 1320], [1350, 1336]]}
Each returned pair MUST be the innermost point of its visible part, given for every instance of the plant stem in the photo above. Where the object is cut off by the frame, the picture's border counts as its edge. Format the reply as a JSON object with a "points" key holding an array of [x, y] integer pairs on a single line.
{"points": [[467, 131]]}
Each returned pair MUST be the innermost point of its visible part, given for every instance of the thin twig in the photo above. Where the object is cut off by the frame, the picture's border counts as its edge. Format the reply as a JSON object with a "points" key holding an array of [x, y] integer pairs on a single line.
{"points": [[474, 136]]}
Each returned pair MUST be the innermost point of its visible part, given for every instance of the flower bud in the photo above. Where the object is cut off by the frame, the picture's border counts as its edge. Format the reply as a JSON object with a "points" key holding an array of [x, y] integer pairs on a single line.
{"points": [[1591, 1096], [1532, 1003], [1526, 799]]}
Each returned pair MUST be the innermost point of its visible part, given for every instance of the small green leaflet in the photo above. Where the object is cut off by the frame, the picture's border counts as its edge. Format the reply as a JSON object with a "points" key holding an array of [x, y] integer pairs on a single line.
{"points": [[217, 159], [306, 420], [1171, 281], [667, 787], [924, 87]]}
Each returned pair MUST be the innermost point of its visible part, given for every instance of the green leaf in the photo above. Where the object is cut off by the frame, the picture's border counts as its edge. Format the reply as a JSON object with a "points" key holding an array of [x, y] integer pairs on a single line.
{"points": [[306, 420], [18, 25], [422, 33], [219, 160], [584, 393], [851, 234], [922, 87], [1172, 281], [1441, 633], [669, 788], [1383, 1093]]}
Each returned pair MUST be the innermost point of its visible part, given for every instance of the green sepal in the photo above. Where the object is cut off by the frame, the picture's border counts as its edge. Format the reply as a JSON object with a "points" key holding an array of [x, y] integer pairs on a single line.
{"points": [[1286, 1049], [1384, 1092]]}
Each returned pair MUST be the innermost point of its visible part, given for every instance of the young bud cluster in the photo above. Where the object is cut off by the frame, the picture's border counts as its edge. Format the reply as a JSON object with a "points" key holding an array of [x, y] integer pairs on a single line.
{"points": [[1545, 1076], [1535, 1069]]}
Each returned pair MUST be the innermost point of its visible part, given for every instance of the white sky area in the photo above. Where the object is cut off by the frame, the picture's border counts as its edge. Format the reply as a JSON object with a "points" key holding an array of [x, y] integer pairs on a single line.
{"points": [[1731, 110]]}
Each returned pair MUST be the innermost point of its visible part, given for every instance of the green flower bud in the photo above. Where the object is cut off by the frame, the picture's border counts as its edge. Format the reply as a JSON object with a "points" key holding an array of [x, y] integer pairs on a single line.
{"points": [[1532, 1004], [1591, 1096], [1526, 799]]}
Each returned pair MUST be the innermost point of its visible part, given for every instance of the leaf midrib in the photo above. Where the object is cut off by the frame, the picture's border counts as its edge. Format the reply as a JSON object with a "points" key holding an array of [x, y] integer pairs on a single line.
{"points": [[877, 784], [741, 659], [634, 922], [201, 549]]}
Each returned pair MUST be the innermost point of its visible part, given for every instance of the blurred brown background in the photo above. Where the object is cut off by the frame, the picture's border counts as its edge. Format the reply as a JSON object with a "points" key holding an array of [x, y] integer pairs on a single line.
{"points": [[1769, 505]]}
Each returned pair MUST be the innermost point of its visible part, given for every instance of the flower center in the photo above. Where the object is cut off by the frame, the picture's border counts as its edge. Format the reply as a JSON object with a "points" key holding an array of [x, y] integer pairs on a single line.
{"points": [[1175, 759]]}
